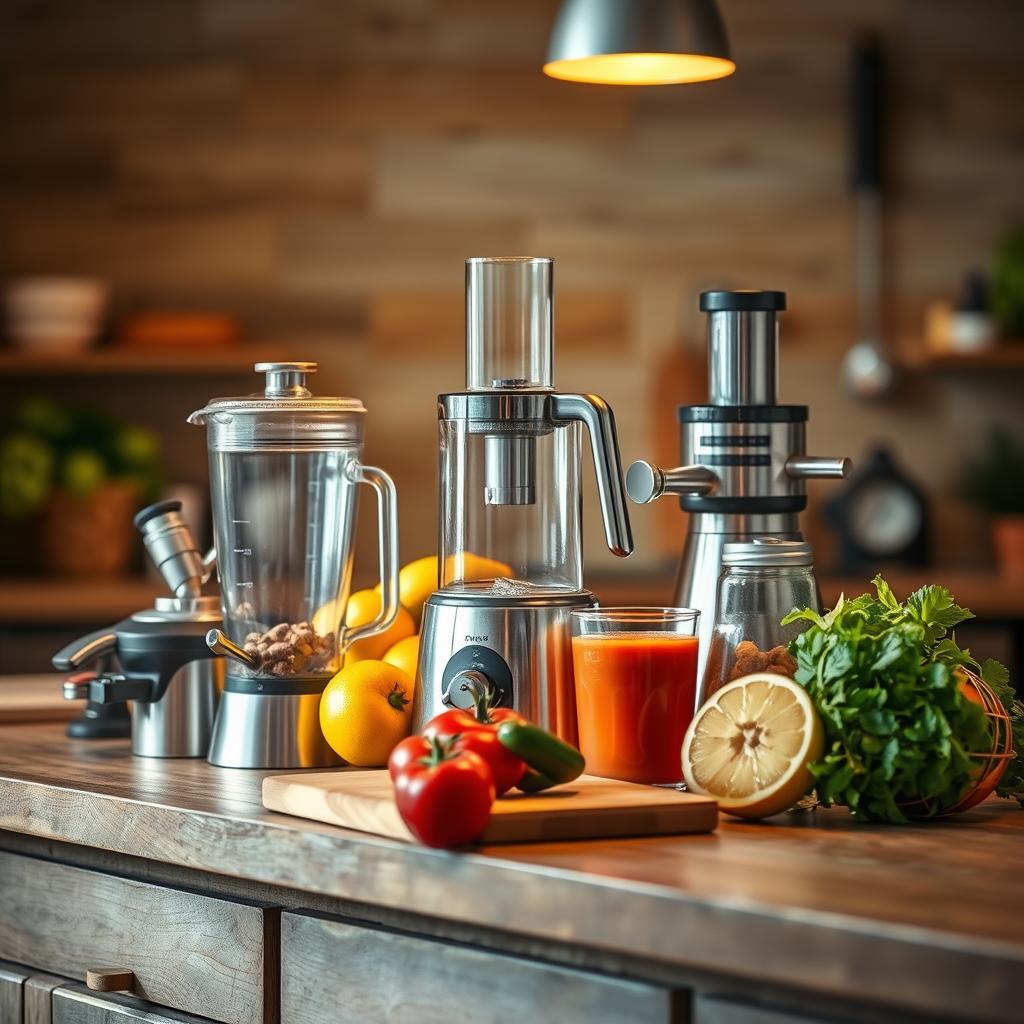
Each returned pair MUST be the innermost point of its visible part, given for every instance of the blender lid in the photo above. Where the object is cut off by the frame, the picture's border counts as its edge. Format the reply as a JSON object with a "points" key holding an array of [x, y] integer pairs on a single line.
{"points": [[286, 411], [767, 551]]}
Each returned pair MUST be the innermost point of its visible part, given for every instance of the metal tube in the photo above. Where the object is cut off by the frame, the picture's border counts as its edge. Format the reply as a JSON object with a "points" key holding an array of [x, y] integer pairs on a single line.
{"points": [[742, 357], [818, 467], [510, 469]]}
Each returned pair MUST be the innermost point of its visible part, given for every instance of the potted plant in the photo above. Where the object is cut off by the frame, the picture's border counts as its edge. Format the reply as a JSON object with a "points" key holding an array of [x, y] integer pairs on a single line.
{"points": [[994, 481], [70, 482]]}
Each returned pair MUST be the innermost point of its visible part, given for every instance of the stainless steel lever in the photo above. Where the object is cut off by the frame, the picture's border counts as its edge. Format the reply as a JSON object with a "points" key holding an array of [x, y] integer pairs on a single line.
{"points": [[818, 467], [220, 643], [645, 481], [595, 412]]}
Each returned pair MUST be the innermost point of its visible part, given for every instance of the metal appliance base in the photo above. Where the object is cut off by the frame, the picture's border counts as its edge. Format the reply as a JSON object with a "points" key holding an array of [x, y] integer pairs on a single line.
{"points": [[270, 731], [180, 723], [528, 639]]}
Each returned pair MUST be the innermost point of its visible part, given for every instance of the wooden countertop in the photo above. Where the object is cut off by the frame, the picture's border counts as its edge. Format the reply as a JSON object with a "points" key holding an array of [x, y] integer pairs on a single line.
{"points": [[927, 917]]}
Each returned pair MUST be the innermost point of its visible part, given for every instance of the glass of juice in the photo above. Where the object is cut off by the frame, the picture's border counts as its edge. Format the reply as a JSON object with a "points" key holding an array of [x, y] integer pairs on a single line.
{"points": [[636, 681]]}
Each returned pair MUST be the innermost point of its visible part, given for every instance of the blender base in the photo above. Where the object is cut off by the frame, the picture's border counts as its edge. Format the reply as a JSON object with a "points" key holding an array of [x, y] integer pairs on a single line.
{"points": [[281, 730], [523, 646]]}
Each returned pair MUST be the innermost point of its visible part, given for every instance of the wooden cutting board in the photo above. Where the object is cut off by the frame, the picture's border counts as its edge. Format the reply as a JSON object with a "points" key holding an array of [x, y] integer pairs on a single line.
{"points": [[589, 808]]}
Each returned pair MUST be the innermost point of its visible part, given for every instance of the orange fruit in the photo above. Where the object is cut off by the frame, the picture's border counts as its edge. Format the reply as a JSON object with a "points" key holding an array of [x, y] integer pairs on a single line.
{"points": [[365, 710], [405, 655], [363, 607]]}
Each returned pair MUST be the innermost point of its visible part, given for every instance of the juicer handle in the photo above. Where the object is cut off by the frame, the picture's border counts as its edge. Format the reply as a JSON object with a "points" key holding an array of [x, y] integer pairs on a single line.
{"points": [[85, 650], [595, 412], [387, 521]]}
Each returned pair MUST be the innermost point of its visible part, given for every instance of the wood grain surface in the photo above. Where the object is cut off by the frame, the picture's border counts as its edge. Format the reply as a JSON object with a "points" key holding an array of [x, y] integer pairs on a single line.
{"points": [[928, 917], [192, 952], [74, 1004], [35, 698], [333, 972], [589, 808], [12, 982]]}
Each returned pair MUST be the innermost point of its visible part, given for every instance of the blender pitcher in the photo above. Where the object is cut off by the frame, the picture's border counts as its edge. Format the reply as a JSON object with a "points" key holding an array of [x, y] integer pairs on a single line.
{"points": [[284, 466]]}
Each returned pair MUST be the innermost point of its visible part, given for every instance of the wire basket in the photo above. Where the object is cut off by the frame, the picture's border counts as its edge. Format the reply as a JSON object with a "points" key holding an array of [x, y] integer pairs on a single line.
{"points": [[990, 764]]}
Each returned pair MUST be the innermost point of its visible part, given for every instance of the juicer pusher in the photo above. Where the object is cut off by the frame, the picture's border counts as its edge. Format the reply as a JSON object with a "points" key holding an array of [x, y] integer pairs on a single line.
{"points": [[744, 463]]}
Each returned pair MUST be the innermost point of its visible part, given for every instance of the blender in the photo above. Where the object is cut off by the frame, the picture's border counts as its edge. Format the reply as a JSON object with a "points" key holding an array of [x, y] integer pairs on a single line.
{"points": [[744, 468], [284, 470], [510, 510]]}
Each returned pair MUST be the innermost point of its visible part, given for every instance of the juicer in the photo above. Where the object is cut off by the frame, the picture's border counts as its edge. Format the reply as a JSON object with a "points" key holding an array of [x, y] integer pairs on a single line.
{"points": [[285, 466], [157, 658], [744, 458], [510, 509]]}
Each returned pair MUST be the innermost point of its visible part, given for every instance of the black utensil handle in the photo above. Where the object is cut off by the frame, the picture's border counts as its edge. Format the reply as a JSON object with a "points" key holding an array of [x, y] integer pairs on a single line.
{"points": [[867, 115]]}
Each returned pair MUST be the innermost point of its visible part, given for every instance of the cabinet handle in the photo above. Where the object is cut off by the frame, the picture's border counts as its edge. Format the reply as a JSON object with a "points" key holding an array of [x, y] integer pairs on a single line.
{"points": [[105, 979]]}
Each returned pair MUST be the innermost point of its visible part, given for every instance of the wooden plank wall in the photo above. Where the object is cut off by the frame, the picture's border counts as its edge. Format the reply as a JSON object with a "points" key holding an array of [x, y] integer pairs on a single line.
{"points": [[324, 168]]}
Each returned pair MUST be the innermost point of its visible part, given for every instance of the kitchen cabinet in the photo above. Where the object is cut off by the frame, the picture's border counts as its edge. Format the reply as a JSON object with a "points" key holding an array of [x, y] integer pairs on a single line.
{"points": [[335, 972], [192, 952], [75, 1004]]}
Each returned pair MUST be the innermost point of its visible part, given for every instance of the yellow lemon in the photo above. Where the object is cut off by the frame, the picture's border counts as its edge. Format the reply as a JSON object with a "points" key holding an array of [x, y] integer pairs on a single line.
{"points": [[416, 582], [750, 744], [469, 567], [405, 655], [363, 607], [326, 618], [365, 711]]}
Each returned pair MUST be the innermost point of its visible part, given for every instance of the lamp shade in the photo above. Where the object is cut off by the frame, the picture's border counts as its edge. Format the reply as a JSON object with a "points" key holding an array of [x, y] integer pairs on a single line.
{"points": [[638, 42]]}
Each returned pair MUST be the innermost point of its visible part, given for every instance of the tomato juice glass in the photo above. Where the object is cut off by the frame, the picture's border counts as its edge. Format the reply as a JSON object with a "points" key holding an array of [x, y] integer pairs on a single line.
{"points": [[636, 682]]}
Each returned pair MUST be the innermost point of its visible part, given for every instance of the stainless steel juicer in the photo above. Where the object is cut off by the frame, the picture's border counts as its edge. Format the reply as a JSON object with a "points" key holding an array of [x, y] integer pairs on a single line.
{"points": [[285, 466], [744, 468], [157, 658], [510, 509]]}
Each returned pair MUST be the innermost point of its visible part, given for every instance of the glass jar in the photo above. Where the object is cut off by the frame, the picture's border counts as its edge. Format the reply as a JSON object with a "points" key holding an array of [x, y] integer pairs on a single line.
{"points": [[762, 581]]}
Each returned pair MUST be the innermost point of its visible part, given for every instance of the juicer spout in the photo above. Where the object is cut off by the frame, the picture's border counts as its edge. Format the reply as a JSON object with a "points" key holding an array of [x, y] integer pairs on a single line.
{"points": [[596, 414]]}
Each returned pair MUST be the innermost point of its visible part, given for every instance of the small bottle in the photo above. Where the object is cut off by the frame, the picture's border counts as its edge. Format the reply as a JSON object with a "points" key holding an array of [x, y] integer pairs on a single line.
{"points": [[762, 581]]}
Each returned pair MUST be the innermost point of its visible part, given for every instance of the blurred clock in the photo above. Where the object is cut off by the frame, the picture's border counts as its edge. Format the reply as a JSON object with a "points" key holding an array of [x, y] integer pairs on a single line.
{"points": [[881, 517]]}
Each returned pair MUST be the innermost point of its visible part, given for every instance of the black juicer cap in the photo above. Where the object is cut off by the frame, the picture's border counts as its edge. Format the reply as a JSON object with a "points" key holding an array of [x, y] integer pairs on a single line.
{"points": [[152, 511], [743, 300]]}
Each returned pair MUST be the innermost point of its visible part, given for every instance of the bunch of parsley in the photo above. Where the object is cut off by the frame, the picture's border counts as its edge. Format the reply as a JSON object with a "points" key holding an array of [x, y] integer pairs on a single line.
{"points": [[897, 728]]}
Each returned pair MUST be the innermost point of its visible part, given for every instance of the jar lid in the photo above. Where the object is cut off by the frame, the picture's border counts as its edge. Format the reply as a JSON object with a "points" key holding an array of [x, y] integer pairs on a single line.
{"points": [[285, 413], [767, 551]]}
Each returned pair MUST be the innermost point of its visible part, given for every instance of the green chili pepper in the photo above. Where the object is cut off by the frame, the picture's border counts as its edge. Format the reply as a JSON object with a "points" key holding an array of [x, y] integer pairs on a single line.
{"points": [[542, 751]]}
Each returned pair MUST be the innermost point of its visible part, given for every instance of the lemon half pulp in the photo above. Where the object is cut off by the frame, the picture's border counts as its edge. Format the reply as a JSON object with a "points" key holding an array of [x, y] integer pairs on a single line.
{"points": [[750, 744]]}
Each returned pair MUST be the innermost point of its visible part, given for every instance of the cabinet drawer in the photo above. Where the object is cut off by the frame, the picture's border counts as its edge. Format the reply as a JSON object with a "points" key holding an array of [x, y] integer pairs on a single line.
{"points": [[713, 1009], [194, 953], [12, 982], [75, 1004], [333, 972]]}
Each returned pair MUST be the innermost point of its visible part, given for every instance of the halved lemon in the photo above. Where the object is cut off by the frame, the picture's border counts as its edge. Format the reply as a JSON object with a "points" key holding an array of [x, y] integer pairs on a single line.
{"points": [[749, 746]]}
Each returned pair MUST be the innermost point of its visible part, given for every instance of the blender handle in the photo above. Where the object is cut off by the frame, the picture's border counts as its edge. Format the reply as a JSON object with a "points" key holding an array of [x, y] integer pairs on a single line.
{"points": [[387, 522], [595, 412]]}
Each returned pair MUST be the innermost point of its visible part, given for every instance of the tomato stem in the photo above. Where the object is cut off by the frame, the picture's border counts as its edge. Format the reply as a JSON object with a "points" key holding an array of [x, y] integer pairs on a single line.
{"points": [[397, 698]]}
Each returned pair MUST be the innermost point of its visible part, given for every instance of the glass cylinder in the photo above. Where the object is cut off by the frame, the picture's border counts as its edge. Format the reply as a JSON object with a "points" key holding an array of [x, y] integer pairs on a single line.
{"points": [[510, 540], [761, 582], [509, 316]]}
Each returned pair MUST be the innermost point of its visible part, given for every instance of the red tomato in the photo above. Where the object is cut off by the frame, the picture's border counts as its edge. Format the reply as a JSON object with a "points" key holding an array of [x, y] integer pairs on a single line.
{"points": [[482, 738], [444, 795]]}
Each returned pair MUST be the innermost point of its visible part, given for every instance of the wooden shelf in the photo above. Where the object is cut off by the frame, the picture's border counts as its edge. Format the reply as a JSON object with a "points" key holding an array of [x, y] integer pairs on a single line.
{"points": [[74, 602], [1006, 356], [140, 362]]}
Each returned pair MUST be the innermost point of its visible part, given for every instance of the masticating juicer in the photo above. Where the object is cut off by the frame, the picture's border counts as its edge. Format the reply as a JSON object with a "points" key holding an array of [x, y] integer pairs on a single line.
{"points": [[156, 658], [744, 466], [510, 509], [284, 470]]}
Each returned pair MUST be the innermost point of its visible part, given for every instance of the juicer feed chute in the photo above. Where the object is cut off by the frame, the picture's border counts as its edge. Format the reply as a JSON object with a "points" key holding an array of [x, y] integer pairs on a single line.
{"points": [[284, 470], [744, 463], [510, 507]]}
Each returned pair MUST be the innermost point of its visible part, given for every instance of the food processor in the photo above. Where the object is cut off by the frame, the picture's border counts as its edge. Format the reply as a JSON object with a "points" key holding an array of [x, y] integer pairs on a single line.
{"points": [[510, 509], [284, 470], [157, 658], [744, 468]]}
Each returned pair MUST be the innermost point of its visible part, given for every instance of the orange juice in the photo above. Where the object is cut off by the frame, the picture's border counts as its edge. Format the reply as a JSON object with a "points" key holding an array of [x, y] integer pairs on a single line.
{"points": [[635, 697]]}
